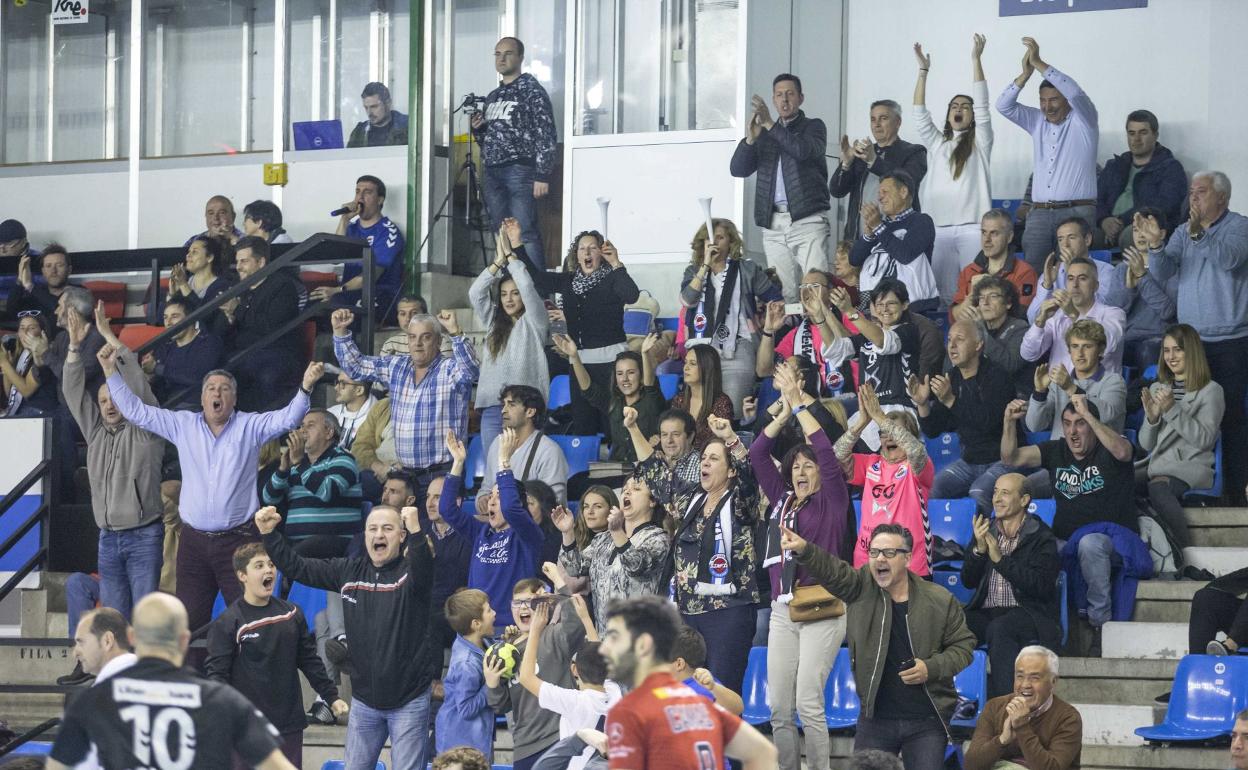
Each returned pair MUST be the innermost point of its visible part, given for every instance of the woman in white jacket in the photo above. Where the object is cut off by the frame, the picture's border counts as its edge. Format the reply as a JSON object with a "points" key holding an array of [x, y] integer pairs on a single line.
{"points": [[955, 191], [1182, 412]]}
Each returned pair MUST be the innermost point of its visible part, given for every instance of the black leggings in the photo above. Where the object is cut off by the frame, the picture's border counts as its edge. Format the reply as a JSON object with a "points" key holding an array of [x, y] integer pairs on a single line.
{"points": [[1214, 611]]}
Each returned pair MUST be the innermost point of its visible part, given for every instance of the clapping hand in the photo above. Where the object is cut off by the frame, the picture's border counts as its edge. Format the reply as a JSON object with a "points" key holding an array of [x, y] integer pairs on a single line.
{"points": [[840, 298], [1040, 378], [919, 390], [1049, 275], [847, 152], [1149, 228], [510, 229], [942, 389], [871, 217], [980, 526], [25, 275], [295, 444], [562, 519], [1137, 265], [1163, 401], [869, 403], [1061, 377]]}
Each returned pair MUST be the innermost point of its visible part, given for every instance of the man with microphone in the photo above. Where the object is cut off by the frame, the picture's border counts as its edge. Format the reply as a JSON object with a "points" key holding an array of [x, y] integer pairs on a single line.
{"points": [[361, 218]]}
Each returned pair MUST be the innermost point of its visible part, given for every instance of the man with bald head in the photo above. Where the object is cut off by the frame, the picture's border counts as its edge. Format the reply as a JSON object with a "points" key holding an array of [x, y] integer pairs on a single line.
{"points": [[1028, 726], [1012, 565], [386, 603], [155, 714], [965, 400]]}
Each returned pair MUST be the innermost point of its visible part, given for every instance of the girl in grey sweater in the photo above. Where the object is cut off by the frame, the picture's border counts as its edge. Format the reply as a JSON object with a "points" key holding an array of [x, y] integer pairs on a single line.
{"points": [[1182, 412], [514, 349]]}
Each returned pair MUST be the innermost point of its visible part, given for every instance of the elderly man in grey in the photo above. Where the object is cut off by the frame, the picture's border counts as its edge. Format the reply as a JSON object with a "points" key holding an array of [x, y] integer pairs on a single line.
{"points": [[1030, 727]]}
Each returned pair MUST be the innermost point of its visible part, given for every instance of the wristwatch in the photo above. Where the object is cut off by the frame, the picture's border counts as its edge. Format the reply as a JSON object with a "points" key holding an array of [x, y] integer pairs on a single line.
{"points": [[854, 316]]}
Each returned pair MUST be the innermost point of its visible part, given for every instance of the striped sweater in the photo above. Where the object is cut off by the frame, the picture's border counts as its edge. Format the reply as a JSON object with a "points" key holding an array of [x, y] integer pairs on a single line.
{"points": [[322, 497]]}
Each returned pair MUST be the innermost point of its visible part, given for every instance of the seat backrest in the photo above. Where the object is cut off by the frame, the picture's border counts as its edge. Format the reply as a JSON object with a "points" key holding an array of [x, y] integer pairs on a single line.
{"points": [[952, 519], [314, 279], [638, 322], [1034, 437], [1103, 255], [669, 384], [1215, 489], [310, 600], [1062, 608], [135, 335], [972, 681], [840, 697], [1045, 510], [1208, 690], [475, 462], [943, 450], [579, 451], [111, 293], [767, 394], [952, 581], [560, 392], [754, 691]]}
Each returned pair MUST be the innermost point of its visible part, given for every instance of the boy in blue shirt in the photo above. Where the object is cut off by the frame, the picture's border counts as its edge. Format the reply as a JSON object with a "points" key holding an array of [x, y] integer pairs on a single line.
{"points": [[465, 718]]}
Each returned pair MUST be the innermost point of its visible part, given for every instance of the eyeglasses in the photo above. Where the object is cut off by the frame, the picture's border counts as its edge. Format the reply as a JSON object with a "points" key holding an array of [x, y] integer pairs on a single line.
{"points": [[807, 286], [887, 553], [28, 314], [343, 384], [893, 305]]}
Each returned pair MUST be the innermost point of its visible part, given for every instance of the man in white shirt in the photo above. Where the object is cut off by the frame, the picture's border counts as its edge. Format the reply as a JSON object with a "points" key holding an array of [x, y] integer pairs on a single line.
{"points": [[353, 400], [1074, 239], [1057, 313], [536, 456], [102, 647]]}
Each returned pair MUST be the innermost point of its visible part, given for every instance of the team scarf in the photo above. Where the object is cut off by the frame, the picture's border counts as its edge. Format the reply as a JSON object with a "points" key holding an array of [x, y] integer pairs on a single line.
{"points": [[24, 362], [783, 513], [715, 548], [718, 318]]}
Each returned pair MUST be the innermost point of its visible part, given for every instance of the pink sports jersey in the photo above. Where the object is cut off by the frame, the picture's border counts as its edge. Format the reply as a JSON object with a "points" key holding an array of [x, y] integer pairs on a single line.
{"points": [[893, 494]]}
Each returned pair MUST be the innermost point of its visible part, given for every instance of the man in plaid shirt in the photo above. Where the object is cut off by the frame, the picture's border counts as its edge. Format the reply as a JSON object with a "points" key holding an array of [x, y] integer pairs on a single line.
{"points": [[429, 393], [1012, 566]]}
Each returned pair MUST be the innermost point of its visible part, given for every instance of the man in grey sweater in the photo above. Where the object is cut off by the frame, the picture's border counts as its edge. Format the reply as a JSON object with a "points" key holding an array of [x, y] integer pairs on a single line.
{"points": [[536, 456], [123, 462]]}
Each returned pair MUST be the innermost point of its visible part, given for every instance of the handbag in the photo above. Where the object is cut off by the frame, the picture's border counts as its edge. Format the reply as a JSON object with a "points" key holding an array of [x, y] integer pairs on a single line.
{"points": [[814, 603]]}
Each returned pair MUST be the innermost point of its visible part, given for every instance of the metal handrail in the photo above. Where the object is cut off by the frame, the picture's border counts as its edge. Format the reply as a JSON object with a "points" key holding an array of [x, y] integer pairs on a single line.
{"points": [[40, 516], [29, 736]]}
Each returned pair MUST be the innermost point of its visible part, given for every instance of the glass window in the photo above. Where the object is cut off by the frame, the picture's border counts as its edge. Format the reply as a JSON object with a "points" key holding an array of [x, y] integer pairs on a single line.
{"points": [[656, 65], [76, 72], [208, 68], [541, 24], [336, 48]]}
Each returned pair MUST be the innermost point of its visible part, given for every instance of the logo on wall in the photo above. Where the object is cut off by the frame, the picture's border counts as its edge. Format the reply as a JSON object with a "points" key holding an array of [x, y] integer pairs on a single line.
{"points": [[1030, 7], [70, 11]]}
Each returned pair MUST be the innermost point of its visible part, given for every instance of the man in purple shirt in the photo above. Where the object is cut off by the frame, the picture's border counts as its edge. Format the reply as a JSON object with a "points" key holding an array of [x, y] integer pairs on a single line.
{"points": [[218, 451], [1064, 132]]}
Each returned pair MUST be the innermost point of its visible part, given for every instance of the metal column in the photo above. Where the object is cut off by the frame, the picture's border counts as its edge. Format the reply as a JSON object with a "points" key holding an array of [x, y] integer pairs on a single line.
{"points": [[416, 144]]}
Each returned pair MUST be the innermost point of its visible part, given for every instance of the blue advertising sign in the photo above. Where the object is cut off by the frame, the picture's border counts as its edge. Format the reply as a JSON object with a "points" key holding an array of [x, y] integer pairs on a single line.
{"points": [[1032, 7]]}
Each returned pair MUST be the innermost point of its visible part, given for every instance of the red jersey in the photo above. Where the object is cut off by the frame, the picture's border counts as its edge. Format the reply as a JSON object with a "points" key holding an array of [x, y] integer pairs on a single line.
{"points": [[664, 725]]}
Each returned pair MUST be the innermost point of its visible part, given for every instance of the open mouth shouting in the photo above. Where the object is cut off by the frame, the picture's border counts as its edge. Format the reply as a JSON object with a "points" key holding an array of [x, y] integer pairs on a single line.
{"points": [[524, 615]]}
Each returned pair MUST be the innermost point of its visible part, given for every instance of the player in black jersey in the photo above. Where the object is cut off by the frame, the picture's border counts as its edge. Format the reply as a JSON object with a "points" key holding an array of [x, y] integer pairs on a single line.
{"points": [[156, 716]]}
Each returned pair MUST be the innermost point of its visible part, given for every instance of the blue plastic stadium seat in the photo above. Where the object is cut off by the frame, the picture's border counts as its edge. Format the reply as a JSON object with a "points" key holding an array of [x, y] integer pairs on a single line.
{"points": [[1009, 204], [1216, 489], [218, 606], [669, 384], [669, 324], [943, 450], [952, 519], [767, 394], [560, 391], [1034, 437], [1045, 510], [310, 600], [338, 764], [857, 515], [1150, 372], [1063, 609], [952, 580], [840, 697], [972, 684], [476, 461], [579, 451], [754, 693], [1104, 255], [638, 321], [1130, 434], [33, 748], [1207, 693]]}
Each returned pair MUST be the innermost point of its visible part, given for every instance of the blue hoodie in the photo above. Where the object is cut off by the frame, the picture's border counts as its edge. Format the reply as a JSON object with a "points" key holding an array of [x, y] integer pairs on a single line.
{"points": [[465, 718], [499, 559]]}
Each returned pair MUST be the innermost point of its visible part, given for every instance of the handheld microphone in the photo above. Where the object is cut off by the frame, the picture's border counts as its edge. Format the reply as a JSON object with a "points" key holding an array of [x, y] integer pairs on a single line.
{"points": [[340, 212]]}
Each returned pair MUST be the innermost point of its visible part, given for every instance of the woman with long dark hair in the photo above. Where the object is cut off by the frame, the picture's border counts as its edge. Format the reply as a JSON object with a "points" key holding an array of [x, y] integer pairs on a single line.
{"points": [[514, 349], [29, 386], [593, 289], [703, 393], [204, 273], [955, 191], [1182, 412], [722, 292]]}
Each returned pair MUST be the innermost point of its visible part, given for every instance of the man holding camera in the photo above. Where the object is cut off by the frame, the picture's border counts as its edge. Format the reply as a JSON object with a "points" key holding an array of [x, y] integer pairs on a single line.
{"points": [[516, 129]]}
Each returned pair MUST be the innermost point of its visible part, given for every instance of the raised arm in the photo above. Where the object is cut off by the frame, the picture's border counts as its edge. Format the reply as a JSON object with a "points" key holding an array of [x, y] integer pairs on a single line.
{"points": [[357, 365], [1011, 453], [317, 573]]}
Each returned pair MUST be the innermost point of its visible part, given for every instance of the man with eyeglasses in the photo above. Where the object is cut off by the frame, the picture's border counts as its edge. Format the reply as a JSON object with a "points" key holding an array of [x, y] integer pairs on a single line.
{"points": [[991, 307], [908, 638], [996, 232], [352, 402], [516, 130]]}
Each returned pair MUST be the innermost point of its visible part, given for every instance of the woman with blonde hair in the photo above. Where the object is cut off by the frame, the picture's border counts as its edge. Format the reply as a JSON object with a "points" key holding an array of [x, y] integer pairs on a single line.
{"points": [[722, 292], [1182, 412]]}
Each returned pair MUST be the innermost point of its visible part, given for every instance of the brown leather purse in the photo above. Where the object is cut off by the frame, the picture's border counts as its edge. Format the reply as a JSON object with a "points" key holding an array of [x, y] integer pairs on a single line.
{"points": [[814, 603]]}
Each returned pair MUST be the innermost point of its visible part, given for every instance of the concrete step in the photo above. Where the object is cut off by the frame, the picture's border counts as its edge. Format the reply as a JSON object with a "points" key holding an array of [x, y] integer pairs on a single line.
{"points": [[34, 661], [1165, 601], [1096, 757], [1217, 560], [1167, 641], [1218, 526], [1113, 724], [1114, 680]]}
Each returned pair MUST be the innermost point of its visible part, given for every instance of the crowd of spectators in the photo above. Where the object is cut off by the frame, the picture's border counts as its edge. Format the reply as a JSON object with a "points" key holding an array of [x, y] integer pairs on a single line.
{"points": [[730, 517]]}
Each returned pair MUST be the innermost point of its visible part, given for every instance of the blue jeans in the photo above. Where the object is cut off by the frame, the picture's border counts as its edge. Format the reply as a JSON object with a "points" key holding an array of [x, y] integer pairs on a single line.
{"points": [[728, 634], [82, 593], [1040, 235], [1097, 560], [407, 727], [963, 479], [509, 193], [130, 561], [491, 427], [920, 742]]}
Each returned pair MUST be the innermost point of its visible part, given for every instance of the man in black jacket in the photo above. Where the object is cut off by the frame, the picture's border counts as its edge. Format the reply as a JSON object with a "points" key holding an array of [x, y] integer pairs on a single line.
{"points": [[1012, 564], [790, 195], [864, 163], [965, 400], [1147, 174], [386, 603], [268, 374]]}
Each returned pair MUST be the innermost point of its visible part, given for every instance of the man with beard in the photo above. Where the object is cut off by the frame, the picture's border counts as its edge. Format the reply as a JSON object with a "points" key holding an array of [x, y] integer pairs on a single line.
{"points": [[1031, 727], [662, 724], [56, 268]]}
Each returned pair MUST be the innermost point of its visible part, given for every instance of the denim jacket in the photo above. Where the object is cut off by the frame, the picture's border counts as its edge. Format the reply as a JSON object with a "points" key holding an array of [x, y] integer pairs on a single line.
{"points": [[465, 718]]}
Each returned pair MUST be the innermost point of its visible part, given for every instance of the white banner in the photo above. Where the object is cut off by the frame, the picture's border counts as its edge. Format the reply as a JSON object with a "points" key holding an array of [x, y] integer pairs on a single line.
{"points": [[69, 11]]}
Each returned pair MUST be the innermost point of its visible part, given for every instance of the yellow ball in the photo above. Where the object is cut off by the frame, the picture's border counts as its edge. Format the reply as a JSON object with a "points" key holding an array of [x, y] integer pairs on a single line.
{"points": [[507, 652]]}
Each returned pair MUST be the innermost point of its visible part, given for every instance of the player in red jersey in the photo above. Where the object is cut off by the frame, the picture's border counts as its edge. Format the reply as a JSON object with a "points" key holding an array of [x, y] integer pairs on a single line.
{"points": [[663, 724]]}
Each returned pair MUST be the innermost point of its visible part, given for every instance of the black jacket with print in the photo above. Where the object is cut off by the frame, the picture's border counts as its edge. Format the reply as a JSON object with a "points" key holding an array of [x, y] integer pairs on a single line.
{"points": [[519, 126]]}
